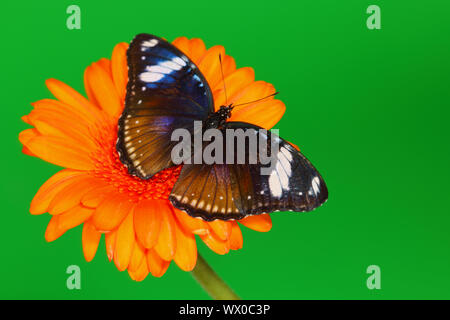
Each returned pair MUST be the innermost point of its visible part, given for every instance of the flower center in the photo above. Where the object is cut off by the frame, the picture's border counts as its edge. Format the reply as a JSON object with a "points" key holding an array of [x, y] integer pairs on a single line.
{"points": [[109, 168]]}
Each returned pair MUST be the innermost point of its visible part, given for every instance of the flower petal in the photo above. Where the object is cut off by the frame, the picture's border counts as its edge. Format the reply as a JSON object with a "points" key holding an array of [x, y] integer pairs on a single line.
{"points": [[221, 228], [120, 69], [210, 65], [236, 240], [71, 97], [53, 230], [71, 195], [28, 152], [190, 224], [264, 114], [106, 65], [155, 264], [186, 253], [103, 89], [74, 217], [110, 244], [90, 239], [252, 92], [261, 223], [215, 244], [124, 243], [59, 151], [136, 257], [229, 66], [83, 119], [197, 50], [52, 187], [27, 135], [141, 273], [24, 137], [166, 245], [94, 197], [111, 212], [182, 43], [235, 83], [25, 119], [62, 124], [147, 222], [87, 87]]}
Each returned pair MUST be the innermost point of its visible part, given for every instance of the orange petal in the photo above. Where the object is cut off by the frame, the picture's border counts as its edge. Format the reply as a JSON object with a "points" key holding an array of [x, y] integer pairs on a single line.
{"points": [[53, 230], [221, 228], [94, 197], [235, 83], [155, 264], [147, 222], [197, 50], [90, 239], [261, 223], [103, 89], [59, 151], [229, 66], [264, 114], [53, 186], [186, 254], [210, 65], [110, 244], [166, 245], [106, 65], [111, 212], [62, 124], [28, 152], [182, 43], [215, 244], [124, 243], [55, 106], [71, 97], [254, 91], [71, 195], [27, 135], [136, 257], [25, 119], [62, 109], [119, 68], [236, 240], [74, 217], [87, 87], [141, 273], [190, 224]]}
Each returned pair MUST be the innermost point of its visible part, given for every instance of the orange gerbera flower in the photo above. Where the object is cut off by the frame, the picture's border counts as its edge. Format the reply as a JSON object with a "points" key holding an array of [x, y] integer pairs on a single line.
{"points": [[143, 231]]}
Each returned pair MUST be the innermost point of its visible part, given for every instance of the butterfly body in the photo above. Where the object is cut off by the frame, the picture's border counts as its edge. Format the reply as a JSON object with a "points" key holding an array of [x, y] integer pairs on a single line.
{"points": [[166, 91]]}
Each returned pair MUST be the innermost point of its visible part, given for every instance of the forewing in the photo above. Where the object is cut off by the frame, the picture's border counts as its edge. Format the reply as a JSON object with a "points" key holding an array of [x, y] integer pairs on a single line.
{"points": [[165, 91]]}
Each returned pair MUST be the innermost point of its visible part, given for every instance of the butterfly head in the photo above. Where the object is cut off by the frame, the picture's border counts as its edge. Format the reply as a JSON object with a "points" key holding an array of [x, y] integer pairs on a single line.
{"points": [[219, 118], [225, 111]]}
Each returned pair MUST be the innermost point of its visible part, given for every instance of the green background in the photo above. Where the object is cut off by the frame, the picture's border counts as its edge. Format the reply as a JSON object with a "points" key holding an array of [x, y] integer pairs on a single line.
{"points": [[370, 108]]}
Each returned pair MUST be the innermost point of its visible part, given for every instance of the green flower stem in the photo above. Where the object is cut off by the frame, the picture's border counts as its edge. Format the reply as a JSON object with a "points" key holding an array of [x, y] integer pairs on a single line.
{"points": [[211, 282]]}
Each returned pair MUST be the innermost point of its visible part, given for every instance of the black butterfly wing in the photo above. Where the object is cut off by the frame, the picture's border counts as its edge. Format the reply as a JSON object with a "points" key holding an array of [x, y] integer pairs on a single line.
{"points": [[292, 184], [165, 91]]}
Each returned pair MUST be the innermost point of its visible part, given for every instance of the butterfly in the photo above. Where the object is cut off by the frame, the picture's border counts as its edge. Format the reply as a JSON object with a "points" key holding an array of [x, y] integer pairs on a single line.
{"points": [[167, 91]]}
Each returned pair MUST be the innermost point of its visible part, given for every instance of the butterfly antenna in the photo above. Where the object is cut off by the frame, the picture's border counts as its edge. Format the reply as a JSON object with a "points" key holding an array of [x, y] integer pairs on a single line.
{"points": [[223, 79], [270, 95]]}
